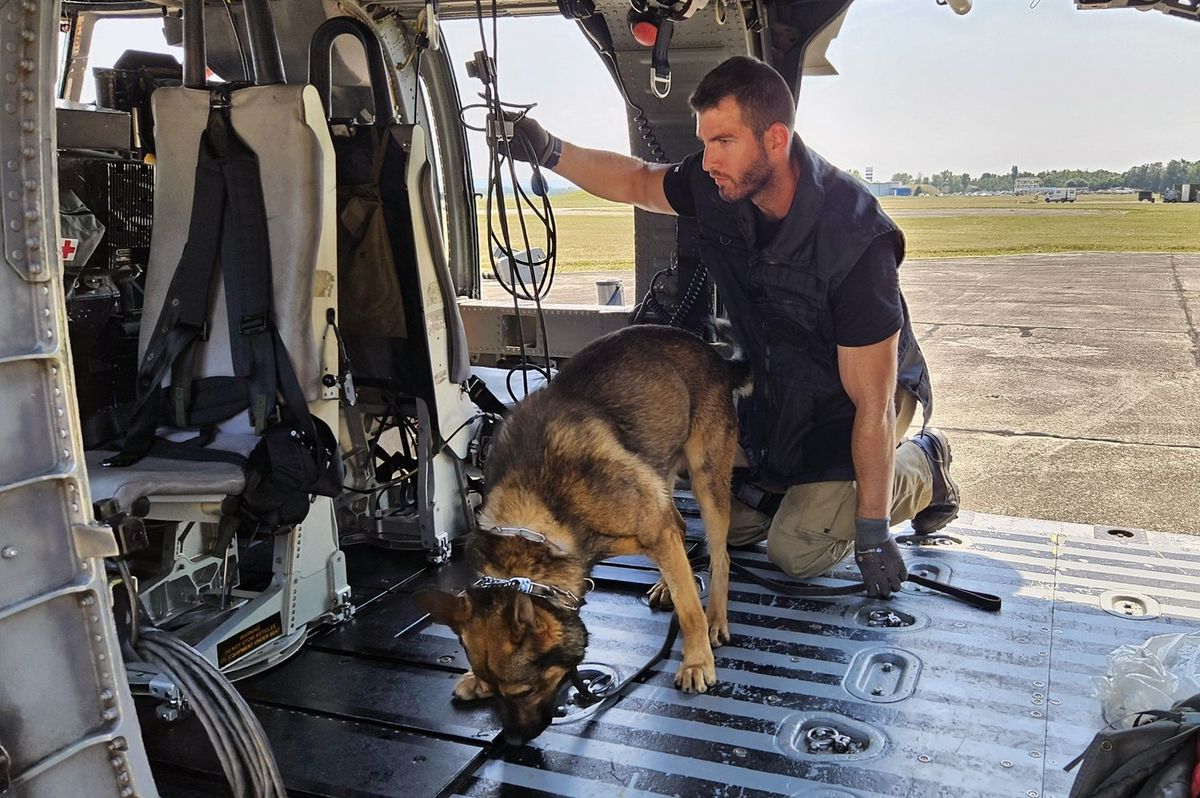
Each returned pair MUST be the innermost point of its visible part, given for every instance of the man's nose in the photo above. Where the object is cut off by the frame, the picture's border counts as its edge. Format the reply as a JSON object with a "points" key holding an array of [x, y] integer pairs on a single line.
{"points": [[707, 162]]}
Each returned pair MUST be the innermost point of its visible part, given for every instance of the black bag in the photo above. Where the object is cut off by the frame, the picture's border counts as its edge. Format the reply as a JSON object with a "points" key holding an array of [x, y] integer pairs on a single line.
{"points": [[284, 468], [1154, 759]]}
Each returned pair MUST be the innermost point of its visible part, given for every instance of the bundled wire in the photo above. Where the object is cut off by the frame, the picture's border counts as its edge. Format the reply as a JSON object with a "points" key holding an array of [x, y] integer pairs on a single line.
{"points": [[500, 237], [235, 732]]}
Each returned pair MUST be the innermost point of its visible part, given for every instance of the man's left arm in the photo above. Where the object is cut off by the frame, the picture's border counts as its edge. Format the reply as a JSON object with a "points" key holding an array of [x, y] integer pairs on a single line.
{"points": [[869, 376], [868, 316]]}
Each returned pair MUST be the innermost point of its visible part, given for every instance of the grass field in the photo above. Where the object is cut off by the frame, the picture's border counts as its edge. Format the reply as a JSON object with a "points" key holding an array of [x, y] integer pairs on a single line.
{"points": [[595, 235]]}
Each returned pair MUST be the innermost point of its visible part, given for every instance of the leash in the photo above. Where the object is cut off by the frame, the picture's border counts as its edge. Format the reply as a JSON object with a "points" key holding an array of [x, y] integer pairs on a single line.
{"points": [[587, 697], [982, 601]]}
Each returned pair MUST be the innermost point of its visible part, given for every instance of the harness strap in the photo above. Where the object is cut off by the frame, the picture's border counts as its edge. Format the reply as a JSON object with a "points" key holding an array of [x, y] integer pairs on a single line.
{"points": [[228, 226]]}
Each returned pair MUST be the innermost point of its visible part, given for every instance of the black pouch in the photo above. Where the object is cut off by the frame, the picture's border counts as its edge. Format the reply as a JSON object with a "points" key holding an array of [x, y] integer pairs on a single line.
{"points": [[285, 468], [1154, 759]]}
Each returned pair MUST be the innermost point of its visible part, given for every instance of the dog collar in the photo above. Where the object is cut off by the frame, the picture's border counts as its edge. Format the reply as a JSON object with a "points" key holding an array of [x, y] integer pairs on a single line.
{"points": [[525, 534], [523, 584]]}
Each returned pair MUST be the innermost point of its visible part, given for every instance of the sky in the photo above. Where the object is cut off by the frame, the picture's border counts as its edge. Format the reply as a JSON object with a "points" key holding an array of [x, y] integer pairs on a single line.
{"points": [[1034, 83], [1038, 84]]}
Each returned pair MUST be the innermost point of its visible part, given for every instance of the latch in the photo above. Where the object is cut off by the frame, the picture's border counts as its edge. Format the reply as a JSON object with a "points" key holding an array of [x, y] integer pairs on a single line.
{"points": [[885, 618], [830, 740]]}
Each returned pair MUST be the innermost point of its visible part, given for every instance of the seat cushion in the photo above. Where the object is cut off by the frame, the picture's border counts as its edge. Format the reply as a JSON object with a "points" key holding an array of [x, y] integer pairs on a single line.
{"points": [[161, 476]]}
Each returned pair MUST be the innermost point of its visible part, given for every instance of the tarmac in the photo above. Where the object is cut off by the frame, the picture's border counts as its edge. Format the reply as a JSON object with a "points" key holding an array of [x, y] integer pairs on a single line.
{"points": [[1069, 384]]}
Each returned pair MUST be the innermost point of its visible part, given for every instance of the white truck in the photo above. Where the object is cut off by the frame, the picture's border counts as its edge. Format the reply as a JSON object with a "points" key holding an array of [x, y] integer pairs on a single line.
{"points": [[1061, 195]]}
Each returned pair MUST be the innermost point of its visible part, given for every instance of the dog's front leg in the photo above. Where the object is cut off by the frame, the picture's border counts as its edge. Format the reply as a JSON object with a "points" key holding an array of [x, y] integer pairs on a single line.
{"points": [[698, 670], [471, 688]]}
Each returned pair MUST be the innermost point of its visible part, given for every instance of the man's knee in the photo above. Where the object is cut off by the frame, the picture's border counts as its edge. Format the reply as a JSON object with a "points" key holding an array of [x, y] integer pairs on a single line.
{"points": [[746, 525], [802, 555]]}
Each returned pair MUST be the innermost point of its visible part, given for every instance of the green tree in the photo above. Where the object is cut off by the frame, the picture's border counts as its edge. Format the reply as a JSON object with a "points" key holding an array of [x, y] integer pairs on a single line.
{"points": [[902, 177]]}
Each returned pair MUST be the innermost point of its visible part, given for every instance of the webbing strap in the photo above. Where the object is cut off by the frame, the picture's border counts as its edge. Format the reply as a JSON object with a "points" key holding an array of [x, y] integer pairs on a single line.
{"points": [[228, 225]]}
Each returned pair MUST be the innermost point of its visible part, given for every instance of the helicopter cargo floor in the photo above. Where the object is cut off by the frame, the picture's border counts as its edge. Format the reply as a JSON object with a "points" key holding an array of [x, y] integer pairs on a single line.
{"points": [[954, 702]]}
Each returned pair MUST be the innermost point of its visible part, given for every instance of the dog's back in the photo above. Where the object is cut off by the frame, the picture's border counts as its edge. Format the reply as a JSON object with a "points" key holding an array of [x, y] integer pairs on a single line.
{"points": [[608, 433]]}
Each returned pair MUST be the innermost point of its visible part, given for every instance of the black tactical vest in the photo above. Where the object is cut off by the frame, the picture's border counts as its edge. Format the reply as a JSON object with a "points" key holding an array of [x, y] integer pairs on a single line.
{"points": [[796, 426]]}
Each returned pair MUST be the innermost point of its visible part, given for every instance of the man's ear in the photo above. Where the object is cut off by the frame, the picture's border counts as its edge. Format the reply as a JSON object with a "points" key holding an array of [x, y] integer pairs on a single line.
{"points": [[524, 617], [779, 138], [446, 608]]}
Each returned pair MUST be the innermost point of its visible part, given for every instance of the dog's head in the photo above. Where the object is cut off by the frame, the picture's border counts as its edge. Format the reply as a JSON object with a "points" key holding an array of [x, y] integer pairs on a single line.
{"points": [[523, 648]]}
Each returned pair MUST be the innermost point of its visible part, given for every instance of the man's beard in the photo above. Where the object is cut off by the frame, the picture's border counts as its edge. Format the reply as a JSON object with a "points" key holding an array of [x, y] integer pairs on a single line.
{"points": [[756, 178]]}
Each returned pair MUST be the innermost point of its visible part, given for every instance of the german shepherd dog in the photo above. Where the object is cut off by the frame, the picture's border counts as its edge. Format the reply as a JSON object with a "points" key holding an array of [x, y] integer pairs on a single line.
{"points": [[583, 470]]}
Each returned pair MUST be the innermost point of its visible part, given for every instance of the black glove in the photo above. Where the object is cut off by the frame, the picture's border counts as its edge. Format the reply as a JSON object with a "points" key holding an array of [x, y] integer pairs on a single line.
{"points": [[878, 557], [530, 142]]}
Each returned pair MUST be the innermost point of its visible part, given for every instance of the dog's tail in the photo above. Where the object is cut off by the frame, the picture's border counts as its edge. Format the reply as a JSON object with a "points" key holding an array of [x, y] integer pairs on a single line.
{"points": [[740, 371]]}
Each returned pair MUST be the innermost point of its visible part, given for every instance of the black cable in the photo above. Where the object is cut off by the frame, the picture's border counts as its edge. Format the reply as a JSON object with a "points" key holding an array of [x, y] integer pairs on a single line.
{"points": [[517, 286]]}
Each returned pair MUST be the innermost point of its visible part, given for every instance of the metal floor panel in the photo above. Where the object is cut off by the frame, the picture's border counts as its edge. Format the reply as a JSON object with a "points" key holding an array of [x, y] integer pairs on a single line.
{"points": [[326, 757], [998, 704]]}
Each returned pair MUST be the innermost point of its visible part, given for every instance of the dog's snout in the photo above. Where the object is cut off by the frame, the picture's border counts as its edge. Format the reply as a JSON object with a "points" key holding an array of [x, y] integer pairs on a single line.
{"points": [[516, 737]]}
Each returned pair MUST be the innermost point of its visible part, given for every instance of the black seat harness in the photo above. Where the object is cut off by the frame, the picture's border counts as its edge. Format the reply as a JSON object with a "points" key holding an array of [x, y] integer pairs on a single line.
{"points": [[227, 230]]}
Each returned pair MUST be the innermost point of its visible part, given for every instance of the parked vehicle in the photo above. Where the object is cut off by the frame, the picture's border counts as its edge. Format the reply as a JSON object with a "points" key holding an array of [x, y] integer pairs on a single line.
{"points": [[1060, 195]]}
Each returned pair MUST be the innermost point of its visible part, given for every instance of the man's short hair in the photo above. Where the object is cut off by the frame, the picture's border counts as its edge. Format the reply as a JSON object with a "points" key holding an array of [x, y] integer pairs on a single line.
{"points": [[761, 93]]}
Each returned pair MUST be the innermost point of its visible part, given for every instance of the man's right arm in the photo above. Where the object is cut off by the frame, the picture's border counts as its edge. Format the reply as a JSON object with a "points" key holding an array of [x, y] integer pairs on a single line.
{"points": [[607, 175], [615, 177]]}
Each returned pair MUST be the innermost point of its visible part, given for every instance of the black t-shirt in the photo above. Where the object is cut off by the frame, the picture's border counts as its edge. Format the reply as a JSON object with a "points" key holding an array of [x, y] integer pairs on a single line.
{"points": [[866, 307]]}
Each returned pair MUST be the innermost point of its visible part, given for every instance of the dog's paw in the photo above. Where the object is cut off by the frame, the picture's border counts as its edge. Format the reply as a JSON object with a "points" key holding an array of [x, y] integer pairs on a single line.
{"points": [[471, 688], [660, 596], [718, 629], [696, 678]]}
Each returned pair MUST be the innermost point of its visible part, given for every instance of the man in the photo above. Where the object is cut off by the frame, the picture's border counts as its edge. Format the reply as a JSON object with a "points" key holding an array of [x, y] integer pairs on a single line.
{"points": [[807, 266]]}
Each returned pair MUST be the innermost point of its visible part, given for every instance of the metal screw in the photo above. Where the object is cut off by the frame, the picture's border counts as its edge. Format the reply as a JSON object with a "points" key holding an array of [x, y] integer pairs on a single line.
{"points": [[8, 553], [87, 601], [1039, 684], [888, 667], [773, 699], [1055, 701], [1036, 754], [110, 714], [1006, 764], [876, 691], [445, 658], [741, 752], [1038, 695], [924, 758], [1032, 794], [1106, 745], [1036, 714]]}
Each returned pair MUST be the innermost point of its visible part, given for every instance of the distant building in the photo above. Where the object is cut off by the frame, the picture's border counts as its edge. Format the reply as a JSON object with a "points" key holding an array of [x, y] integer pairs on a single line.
{"points": [[888, 189], [1027, 185]]}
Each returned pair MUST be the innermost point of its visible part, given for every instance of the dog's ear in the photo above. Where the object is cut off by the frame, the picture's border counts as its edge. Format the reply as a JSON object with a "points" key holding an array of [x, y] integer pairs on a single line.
{"points": [[450, 609], [524, 618]]}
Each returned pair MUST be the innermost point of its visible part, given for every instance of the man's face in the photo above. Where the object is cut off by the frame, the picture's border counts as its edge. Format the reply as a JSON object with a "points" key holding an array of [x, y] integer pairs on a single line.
{"points": [[733, 156]]}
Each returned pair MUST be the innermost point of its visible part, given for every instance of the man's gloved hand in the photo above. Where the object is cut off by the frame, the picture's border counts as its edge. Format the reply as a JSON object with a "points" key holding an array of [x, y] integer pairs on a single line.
{"points": [[878, 557], [530, 141]]}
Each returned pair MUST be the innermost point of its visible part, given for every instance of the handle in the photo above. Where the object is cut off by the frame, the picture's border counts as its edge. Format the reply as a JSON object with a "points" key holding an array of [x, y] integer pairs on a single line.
{"points": [[320, 70]]}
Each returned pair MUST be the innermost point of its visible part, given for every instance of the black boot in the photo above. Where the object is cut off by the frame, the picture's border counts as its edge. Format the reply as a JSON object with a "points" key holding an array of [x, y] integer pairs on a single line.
{"points": [[943, 507]]}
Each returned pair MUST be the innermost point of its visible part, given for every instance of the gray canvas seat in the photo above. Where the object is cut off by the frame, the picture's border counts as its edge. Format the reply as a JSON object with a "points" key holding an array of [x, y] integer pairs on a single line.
{"points": [[285, 126]]}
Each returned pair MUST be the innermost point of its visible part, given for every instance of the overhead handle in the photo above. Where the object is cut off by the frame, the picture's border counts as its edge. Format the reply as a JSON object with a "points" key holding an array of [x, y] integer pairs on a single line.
{"points": [[320, 69]]}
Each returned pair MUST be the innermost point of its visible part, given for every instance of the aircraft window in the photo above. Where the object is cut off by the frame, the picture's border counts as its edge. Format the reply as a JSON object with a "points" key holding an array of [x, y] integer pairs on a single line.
{"points": [[112, 36], [581, 105]]}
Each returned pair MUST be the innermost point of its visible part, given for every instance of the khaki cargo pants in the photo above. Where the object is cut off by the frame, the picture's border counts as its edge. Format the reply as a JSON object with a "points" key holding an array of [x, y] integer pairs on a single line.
{"points": [[813, 529]]}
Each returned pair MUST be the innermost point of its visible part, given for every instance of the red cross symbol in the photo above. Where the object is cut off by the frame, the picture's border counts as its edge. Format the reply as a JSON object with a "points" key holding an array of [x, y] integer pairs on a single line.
{"points": [[69, 247]]}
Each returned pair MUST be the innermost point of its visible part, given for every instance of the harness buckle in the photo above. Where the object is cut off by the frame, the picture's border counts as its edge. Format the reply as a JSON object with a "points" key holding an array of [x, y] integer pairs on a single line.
{"points": [[252, 325]]}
